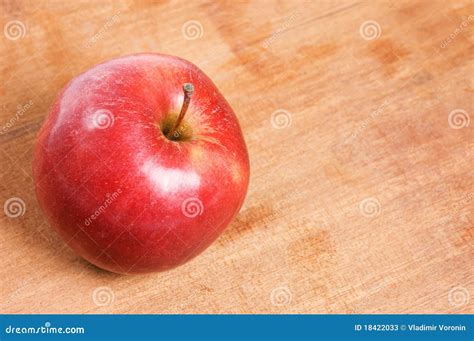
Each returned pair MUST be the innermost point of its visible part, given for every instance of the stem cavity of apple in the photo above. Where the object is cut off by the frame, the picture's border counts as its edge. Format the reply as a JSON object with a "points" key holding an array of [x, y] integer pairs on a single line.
{"points": [[188, 89]]}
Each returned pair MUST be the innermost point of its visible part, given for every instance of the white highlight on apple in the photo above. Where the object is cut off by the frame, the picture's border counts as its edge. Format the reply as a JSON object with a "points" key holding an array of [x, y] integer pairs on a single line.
{"points": [[192, 207], [14, 207], [281, 119], [458, 296], [370, 207], [458, 119], [102, 119], [192, 30], [168, 179], [103, 296], [370, 30], [281, 296], [14, 30]]}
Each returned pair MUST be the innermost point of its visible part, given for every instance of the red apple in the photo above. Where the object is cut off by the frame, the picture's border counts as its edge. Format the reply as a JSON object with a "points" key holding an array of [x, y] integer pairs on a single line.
{"points": [[129, 184]]}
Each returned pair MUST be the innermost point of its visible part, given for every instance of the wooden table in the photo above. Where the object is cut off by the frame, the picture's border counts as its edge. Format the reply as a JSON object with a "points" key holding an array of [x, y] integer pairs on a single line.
{"points": [[356, 116]]}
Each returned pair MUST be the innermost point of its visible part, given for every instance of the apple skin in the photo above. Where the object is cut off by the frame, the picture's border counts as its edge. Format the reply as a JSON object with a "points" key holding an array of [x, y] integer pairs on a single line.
{"points": [[119, 192]]}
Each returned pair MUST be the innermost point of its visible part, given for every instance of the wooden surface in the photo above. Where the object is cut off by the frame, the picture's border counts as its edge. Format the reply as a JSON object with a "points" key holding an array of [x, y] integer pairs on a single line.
{"points": [[362, 188]]}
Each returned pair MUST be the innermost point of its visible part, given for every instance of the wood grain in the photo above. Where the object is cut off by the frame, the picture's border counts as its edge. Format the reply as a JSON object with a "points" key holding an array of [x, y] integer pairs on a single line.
{"points": [[361, 196]]}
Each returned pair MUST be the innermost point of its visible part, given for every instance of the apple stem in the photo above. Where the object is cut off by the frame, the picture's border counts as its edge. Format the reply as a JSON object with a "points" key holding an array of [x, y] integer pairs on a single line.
{"points": [[188, 89]]}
